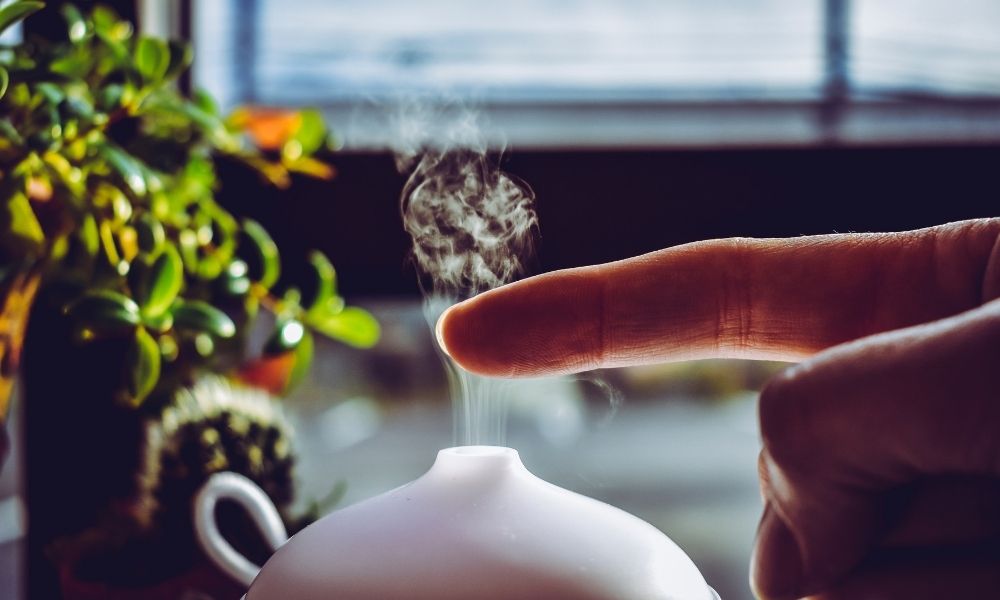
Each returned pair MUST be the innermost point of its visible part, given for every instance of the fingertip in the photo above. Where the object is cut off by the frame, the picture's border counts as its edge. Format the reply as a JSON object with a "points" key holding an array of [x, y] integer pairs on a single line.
{"points": [[544, 325], [459, 333], [439, 331]]}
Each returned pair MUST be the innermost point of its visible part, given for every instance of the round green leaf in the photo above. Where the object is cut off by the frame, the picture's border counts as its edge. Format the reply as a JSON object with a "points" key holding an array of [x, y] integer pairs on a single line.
{"points": [[152, 58], [168, 348], [234, 281], [112, 38], [102, 313], [205, 102], [150, 233], [311, 133], [75, 23], [108, 244], [321, 283], [89, 235], [188, 241], [287, 336], [159, 324], [180, 58], [202, 317], [51, 92], [75, 65], [165, 280], [111, 97], [204, 345], [260, 253], [143, 367], [121, 208], [4, 81], [105, 19], [208, 268], [126, 167], [15, 11], [235, 286], [352, 326]]}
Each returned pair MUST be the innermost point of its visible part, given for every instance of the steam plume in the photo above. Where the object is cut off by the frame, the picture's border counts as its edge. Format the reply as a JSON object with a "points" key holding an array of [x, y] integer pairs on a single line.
{"points": [[473, 228]]}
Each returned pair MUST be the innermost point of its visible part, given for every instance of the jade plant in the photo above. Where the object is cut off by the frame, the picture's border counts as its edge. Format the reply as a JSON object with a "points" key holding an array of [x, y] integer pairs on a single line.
{"points": [[107, 188]]}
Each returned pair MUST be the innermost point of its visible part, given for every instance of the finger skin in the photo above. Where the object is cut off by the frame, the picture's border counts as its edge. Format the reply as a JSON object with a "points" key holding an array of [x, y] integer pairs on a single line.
{"points": [[752, 298], [851, 424], [971, 571], [943, 511], [950, 513]]}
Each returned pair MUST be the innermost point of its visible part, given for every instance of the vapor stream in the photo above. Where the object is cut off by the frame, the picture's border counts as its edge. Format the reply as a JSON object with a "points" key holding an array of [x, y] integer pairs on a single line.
{"points": [[474, 228]]}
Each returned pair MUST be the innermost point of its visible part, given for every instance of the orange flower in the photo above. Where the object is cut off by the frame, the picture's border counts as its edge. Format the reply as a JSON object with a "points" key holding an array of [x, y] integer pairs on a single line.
{"points": [[270, 373], [269, 128]]}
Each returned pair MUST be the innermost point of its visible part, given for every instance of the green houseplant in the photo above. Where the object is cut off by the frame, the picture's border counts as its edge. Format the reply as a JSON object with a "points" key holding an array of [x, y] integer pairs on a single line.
{"points": [[138, 281]]}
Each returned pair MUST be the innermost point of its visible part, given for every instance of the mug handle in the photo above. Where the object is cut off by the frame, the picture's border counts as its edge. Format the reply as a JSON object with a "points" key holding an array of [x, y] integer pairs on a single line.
{"points": [[246, 493]]}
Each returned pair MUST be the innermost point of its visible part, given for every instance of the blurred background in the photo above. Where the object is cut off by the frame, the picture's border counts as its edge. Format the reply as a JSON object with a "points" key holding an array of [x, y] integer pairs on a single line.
{"points": [[639, 124]]}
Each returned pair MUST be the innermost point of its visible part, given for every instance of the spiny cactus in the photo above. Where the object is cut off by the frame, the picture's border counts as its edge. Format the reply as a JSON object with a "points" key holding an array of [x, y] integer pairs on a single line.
{"points": [[210, 427], [218, 426]]}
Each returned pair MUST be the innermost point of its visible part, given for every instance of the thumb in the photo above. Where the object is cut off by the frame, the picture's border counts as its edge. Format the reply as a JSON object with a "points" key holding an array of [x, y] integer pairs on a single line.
{"points": [[845, 428]]}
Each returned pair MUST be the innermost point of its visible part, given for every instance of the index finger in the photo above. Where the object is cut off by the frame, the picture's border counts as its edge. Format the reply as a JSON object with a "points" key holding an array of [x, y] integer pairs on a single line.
{"points": [[779, 299]]}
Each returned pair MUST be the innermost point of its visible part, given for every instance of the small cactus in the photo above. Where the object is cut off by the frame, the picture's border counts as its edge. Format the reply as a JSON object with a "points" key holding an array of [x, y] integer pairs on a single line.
{"points": [[210, 427], [218, 426]]}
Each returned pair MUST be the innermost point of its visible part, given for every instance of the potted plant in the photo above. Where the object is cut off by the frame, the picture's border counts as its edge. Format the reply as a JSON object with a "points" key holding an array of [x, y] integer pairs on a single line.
{"points": [[140, 285]]}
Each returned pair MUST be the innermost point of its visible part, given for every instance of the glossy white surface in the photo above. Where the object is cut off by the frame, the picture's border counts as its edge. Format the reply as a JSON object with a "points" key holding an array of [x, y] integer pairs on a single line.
{"points": [[233, 486], [479, 525]]}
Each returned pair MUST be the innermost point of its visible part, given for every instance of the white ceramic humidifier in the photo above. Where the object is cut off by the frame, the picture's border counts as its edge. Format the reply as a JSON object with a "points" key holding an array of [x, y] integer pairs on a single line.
{"points": [[477, 525]]}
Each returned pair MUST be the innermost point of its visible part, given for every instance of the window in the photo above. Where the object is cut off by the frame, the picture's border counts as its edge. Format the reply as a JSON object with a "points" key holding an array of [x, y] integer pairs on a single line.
{"points": [[621, 72], [926, 48]]}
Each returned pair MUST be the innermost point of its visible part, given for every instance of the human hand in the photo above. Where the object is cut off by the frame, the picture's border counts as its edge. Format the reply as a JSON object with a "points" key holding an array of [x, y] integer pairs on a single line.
{"points": [[881, 463]]}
